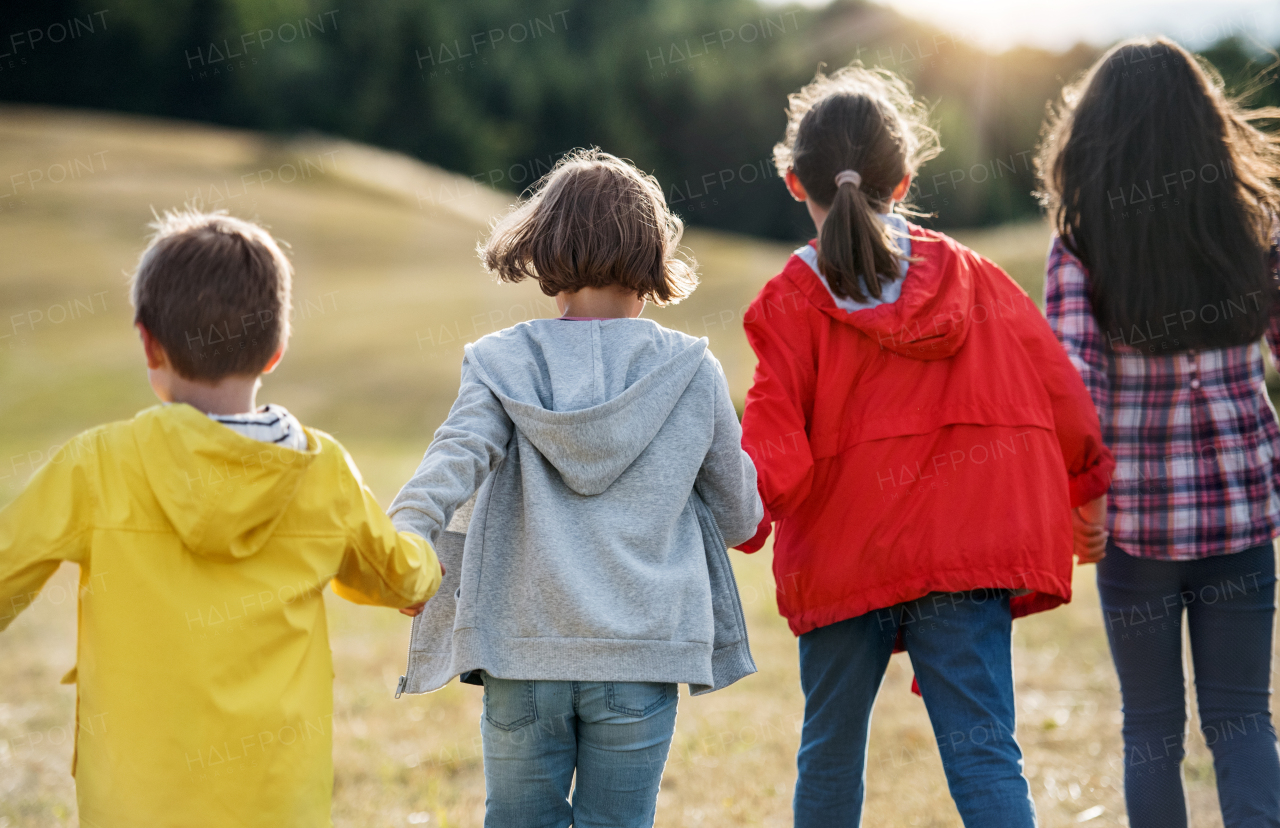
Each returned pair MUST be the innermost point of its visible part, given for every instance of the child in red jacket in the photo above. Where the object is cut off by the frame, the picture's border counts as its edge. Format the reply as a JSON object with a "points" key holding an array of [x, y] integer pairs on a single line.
{"points": [[920, 439]]}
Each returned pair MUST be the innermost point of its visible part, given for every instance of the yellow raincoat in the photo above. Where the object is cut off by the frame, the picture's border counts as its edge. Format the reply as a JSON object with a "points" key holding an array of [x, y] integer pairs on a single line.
{"points": [[205, 683]]}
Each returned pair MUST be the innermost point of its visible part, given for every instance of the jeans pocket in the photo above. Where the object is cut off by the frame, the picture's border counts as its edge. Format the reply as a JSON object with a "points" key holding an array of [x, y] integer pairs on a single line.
{"points": [[509, 704], [637, 698]]}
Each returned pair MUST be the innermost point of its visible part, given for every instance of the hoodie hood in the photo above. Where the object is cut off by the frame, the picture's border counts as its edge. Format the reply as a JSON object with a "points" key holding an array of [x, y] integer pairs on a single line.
{"points": [[590, 395], [931, 317], [223, 493]]}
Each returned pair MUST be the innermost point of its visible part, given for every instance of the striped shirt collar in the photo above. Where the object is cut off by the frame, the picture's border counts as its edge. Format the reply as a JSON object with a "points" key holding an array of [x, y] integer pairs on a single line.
{"points": [[269, 424]]}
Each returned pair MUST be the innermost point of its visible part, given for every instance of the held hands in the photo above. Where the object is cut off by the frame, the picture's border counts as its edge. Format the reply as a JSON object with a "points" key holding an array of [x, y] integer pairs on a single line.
{"points": [[1088, 524], [414, 610]]}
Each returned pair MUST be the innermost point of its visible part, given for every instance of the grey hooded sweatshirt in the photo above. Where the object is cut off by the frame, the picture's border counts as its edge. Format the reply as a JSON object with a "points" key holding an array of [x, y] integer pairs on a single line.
{"points": [[610, 474]]}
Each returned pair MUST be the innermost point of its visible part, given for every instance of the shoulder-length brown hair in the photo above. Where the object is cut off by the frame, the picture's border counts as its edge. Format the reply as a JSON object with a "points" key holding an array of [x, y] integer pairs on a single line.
{"points": [[594, 220], [1166, 191]]}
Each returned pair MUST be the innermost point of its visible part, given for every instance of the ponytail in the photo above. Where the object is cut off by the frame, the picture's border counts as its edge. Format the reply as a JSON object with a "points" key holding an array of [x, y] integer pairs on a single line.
{"points": [[854, 241], [852, 138]]}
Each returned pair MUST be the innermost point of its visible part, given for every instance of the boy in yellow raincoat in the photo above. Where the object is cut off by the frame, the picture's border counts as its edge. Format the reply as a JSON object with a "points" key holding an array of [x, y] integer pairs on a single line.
{"points": [[208, 528]]}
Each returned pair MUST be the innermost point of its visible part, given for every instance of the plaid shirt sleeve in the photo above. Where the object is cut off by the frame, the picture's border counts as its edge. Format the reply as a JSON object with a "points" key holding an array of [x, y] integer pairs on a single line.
{"points": [[1070, 315]]}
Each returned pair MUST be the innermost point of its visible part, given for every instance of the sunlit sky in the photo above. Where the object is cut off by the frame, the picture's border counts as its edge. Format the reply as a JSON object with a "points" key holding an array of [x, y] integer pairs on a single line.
{"points": [[1057, 24]]}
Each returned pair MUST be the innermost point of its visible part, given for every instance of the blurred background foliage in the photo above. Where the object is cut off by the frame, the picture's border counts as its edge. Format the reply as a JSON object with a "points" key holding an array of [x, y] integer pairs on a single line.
{"points": [[498, 89]]}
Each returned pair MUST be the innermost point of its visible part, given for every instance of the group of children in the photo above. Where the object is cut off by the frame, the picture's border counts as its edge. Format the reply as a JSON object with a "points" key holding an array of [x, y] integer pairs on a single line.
{"points": [[928, 453]]}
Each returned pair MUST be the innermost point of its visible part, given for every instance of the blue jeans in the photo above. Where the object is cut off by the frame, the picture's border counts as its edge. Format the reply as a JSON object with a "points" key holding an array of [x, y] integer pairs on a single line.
{"points": [[536, 734], [1229, 602], [960, 647]]}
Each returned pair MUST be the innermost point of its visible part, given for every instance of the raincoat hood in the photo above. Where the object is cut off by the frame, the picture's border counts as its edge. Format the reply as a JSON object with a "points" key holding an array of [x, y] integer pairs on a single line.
{"points": [[590, 424], [929, 320], [223, 493]]}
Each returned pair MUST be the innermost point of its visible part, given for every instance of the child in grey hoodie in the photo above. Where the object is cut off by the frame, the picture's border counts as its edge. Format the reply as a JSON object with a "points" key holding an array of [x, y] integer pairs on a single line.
{"points": [[607, 457]]}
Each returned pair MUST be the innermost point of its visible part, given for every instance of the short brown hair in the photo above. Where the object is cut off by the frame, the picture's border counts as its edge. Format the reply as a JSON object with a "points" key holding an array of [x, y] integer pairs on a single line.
{"points": [[594, 220], [213, 290]]}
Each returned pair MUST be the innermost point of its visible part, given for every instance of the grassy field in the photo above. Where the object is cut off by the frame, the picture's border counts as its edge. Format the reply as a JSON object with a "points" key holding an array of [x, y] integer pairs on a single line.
{"points": [[387, 291]]}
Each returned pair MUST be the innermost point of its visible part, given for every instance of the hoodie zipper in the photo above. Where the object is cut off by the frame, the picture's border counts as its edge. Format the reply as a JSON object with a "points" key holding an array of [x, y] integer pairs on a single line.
{"points": [[715, 526], [404, 680], [733, 579]]}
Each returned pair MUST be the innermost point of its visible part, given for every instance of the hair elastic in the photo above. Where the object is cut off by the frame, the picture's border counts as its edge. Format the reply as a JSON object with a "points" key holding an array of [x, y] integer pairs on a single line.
{"points": [[849, 177]]}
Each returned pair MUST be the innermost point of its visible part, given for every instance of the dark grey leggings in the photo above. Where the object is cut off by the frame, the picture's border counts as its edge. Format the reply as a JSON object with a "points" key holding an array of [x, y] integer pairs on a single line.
{"points": [[1229, 603]]}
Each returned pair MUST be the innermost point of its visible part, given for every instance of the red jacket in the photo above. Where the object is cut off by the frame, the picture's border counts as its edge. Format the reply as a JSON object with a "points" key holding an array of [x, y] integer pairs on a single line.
{"points": [[933, 444]]}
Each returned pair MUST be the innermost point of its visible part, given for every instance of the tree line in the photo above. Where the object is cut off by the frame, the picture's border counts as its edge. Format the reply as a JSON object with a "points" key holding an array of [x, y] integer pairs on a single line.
{"points": [[498, 89]]}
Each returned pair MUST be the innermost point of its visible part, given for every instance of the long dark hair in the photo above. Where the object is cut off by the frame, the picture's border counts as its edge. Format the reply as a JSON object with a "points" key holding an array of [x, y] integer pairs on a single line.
{"points": [[864, 120], [1165, 190]]}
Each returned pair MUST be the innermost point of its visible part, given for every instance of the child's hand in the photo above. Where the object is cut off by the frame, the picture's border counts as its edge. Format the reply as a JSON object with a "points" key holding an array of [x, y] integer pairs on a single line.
{"points": [[414, 610], [1088, 524]]}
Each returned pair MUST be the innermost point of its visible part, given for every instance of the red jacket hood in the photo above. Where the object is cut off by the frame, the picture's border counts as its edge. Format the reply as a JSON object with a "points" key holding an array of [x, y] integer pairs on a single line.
{"points": [[931, 317]]}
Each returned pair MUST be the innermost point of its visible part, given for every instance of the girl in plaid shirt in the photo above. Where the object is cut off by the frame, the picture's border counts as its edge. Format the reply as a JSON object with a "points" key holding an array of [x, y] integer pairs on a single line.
{"points": [[1160, 284]]}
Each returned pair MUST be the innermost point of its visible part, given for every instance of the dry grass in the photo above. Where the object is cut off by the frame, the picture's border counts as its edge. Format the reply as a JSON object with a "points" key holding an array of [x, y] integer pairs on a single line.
{"points": [[388, 289]]}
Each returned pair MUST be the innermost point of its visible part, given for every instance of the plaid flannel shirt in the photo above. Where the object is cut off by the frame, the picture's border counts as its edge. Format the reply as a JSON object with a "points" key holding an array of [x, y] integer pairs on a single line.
{"points": [[1194, 434]]}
